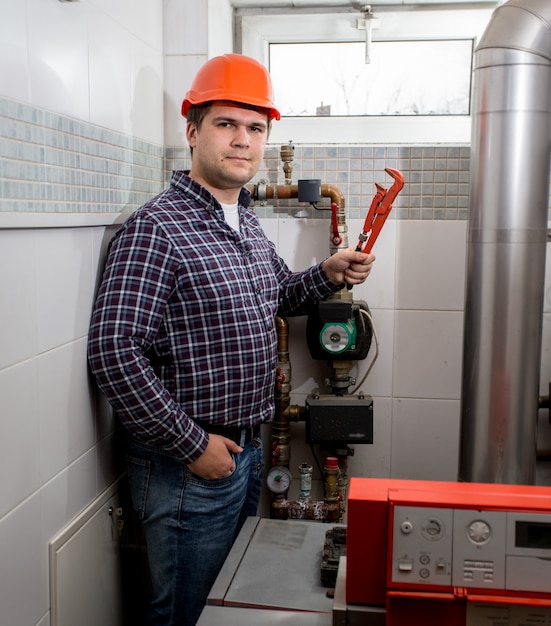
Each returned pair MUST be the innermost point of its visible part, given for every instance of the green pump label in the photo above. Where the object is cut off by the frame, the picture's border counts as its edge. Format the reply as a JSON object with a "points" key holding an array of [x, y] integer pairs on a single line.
{"points": [[337, 337]]}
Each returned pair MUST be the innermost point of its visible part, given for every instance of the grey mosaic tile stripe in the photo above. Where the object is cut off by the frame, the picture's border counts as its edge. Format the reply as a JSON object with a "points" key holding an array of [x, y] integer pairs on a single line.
{"points": [[52, 163], [437, 178]]}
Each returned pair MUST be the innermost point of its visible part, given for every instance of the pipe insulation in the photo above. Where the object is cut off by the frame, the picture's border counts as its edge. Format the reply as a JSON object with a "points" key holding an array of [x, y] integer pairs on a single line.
{"points": [[506, 245]]}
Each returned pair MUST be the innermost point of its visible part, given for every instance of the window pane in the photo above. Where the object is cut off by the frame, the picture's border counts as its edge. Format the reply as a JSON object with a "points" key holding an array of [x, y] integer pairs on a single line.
{"points": [[403, 78]]}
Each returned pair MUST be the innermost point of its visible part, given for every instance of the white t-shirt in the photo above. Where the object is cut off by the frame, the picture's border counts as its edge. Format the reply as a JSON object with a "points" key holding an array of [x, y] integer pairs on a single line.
{"points": [[231, 214]]}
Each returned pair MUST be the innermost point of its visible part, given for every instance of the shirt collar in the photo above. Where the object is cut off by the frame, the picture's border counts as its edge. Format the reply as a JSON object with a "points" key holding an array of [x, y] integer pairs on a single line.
{"points": [[180, 180]]}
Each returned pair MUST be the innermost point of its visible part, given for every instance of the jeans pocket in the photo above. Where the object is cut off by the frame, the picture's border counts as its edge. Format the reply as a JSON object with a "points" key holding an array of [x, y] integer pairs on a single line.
{"points": [[139, 472], [235, 458]]}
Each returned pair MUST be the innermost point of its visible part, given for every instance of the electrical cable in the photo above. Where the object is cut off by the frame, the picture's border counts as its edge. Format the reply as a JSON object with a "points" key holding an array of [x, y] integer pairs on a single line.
{"points": [[376, 355], [318, 464]]}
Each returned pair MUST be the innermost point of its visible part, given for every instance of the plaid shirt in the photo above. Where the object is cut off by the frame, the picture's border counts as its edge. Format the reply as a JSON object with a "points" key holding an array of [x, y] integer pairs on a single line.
{"points": [[183, 327]]}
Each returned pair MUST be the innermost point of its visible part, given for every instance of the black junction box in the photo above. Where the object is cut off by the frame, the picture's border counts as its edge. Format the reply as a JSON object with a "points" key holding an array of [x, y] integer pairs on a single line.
{"points": [[339, 419]]}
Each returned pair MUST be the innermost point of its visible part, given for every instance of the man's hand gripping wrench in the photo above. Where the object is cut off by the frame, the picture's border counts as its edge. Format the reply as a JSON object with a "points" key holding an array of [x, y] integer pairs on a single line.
{"points": [[378, 212]]}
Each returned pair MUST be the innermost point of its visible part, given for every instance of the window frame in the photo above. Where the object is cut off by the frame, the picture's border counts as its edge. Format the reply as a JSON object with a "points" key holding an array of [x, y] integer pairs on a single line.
{"points": [[255, 30]]}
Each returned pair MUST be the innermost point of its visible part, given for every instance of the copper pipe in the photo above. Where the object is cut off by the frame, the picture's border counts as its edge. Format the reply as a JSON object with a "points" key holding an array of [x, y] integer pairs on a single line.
{"points": [[281, 431], [286, 192], [282, 327]]}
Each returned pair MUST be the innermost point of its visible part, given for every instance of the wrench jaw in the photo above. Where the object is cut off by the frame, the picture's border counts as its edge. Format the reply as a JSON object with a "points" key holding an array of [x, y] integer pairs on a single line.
{"points": [[379, 210], [377, 199]]}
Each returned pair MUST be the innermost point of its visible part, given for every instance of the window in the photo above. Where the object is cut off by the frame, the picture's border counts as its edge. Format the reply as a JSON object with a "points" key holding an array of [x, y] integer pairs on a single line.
{"points": [[402, 78], [416, 88]]}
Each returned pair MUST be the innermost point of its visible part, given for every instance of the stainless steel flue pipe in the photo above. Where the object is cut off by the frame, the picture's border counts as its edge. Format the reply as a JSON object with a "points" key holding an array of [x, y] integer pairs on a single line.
{"points": [[509, 197]]}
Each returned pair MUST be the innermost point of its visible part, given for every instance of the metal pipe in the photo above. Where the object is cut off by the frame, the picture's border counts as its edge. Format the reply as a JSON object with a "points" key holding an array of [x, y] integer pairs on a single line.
{"points": [[263, 191], [509, 196], [287, 153], [281, 430], [287, 192], [318, 510]]}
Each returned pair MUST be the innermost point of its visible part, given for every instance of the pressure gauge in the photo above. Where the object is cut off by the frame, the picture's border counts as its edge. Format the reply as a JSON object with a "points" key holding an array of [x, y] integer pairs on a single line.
{"points": [[279, 479]]}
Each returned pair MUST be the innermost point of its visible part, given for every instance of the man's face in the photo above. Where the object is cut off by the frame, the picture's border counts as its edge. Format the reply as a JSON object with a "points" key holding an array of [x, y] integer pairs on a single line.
{"points": [[228, 148]]}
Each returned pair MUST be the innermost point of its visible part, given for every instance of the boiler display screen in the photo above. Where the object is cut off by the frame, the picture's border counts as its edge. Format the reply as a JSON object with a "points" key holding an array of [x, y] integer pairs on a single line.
{"points": [[533, 535]]}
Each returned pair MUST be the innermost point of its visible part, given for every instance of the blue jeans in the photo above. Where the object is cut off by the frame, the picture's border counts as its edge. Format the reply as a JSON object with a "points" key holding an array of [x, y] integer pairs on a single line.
{"points": [[190, 525]]}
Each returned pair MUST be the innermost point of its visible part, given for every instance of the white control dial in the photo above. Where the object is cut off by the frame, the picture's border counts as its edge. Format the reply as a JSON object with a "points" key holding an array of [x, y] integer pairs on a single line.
{"points": [[479, 531]]}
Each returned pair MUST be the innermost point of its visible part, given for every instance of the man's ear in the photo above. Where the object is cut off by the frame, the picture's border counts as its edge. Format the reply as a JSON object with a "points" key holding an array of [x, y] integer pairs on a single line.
{"points": [[191, 134]]}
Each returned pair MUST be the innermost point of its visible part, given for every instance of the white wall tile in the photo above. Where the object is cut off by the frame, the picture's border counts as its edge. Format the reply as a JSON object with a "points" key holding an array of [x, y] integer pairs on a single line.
{"points": [[425, 439], [14, 58], [147, 111], [143, 19], [68, 494], [303, 243], [110, 63], [374, 460], [67, 428], [65, 277], [58, 55], [178, 73], [19, 444], [98, 61], [378, 290], [428, 354], [109, 461], [220, 32], [430, 265], [271, 228], [185, 27], [379, 380], [24, 585], [18, 300]]}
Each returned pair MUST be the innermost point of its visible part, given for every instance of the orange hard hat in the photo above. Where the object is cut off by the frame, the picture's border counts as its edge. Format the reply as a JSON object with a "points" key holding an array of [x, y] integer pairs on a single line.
{"points": [[232, 77]]}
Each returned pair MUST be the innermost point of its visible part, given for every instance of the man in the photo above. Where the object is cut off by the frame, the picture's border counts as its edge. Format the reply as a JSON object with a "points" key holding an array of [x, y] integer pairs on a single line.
{"points": [[183, 341]]}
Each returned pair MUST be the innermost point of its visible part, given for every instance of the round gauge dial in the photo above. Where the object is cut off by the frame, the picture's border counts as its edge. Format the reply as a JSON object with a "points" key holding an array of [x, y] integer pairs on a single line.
{"points": [[279, 479], [433, 529]]}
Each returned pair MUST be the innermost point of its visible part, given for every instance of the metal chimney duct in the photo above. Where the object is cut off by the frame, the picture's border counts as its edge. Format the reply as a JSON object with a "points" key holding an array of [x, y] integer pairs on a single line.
{"points": [[510, 160]]}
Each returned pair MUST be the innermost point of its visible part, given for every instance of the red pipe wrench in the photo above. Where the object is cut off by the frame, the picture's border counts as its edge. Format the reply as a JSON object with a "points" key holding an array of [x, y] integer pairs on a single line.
{"points": [[379, 210]]}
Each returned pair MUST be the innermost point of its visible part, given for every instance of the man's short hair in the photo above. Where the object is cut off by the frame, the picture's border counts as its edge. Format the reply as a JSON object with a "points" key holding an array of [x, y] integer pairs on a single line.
{"points": [[197, 112]]}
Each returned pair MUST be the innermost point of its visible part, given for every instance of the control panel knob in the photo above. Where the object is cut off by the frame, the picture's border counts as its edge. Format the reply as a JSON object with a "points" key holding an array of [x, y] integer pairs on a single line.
{"points": [[433, 529], [479, 531]]}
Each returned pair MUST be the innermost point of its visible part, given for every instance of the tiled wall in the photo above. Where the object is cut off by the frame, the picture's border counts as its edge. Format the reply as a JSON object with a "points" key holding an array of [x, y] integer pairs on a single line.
{"points": [[57, 449], [58, 438], [53, 163], [437, 178]]}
